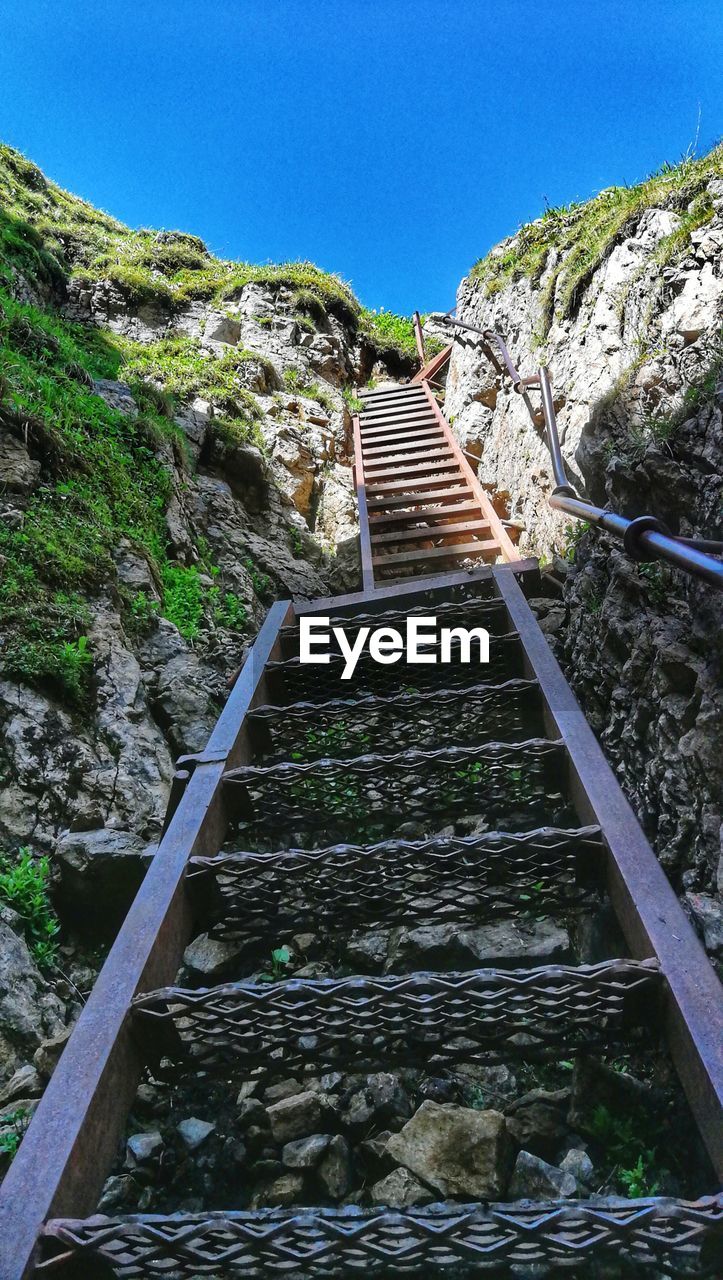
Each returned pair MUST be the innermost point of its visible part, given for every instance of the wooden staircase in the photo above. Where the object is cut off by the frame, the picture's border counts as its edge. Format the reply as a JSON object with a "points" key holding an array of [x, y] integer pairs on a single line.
{"points": [[422, 509]]}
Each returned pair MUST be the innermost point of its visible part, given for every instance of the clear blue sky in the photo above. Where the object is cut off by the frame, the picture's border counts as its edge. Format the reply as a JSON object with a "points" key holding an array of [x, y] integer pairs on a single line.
{"points": [[393, 141]]}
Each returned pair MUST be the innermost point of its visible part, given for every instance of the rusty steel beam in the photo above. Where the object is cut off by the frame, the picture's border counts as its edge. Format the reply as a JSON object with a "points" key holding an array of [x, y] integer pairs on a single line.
{"points": [[419, 338], [361, 502], [71, 1142], [649, 912], [507, 548], [435, 365]]}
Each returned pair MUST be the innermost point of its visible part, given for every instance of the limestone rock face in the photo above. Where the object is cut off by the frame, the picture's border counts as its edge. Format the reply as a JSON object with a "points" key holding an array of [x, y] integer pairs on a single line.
{"points": [[276, 513], [456, 1150], [635, 365]]}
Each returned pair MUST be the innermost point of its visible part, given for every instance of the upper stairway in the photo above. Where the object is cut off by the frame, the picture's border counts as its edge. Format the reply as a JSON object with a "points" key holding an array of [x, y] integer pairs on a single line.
{"points": [[421, 507]]}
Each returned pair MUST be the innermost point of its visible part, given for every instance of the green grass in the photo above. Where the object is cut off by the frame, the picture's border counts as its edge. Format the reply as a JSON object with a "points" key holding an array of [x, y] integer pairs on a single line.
{"points": [[394, 334], [583, 234], [24, 881], [106, 477]]}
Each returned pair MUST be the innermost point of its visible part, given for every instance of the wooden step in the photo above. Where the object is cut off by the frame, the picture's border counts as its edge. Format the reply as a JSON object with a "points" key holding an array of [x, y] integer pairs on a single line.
{"points": [[396, 486], [463, 550], [419, 423], [430, 532], [446, 512], [377, 417], [424, 495], [409, 440], [407, 466]]}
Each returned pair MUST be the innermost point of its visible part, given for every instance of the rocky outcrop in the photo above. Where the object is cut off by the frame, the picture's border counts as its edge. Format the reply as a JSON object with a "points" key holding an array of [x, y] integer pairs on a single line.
{"points": [[634, 351], [270, 516]]}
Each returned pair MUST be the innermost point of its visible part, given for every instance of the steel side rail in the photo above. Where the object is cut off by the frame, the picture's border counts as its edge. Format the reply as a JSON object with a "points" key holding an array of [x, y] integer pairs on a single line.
{"points": [[65, 1155], [365, 545], [647, 908], [507, 548]]}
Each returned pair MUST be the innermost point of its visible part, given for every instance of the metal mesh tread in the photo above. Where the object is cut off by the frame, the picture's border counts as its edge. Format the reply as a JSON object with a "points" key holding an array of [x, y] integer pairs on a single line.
{"points": [[346, 727], [478, 610], [373, 793], [248, 896], [291, 680], [669, 1237], [371, 1023]]}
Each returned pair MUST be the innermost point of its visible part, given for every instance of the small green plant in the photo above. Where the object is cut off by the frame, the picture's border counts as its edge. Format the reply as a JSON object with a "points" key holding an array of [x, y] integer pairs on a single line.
{"points": [[297, 545], [260, 582], [183, 599], [623, 1143], [280, 960], [332, 741], [638, 1181], [230, 612], [573, 535], [657, 579], [24, 882], [143, 614], [10, 1139], [353, 403]]}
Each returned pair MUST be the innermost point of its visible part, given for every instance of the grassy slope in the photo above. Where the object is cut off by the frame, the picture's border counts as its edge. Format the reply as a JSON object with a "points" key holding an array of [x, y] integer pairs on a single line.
{"points": [[106, 476], [575, 239]]}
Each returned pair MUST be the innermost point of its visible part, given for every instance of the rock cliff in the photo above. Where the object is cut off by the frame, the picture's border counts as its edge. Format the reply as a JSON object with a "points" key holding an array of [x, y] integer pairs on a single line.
{"points": [[173, 456], [622, 299]]}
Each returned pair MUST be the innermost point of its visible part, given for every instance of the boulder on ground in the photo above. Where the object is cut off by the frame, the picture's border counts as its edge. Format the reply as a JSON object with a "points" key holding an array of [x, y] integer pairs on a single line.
{"points": [[456, 1150]]}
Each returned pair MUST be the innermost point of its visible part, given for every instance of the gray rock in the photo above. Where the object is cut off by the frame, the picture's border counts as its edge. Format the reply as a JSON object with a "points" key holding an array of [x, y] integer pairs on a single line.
{"points": [[194, 1132], [387, 1095], [118, 395], [280, 1193], [334, 1170], [251, 1111], [100, 874], [399, 1190], [29, 1011], [367, 952], [507, 944], [24, 1083], [47, 1056], [284, 1089], [580, 1166], [534, 1179], [119, 1191], [295, 1117], [211, 958], [305, 1153], [538, 1121], [141, 1148], [708, 916], [456, 1150], [19, 473]]}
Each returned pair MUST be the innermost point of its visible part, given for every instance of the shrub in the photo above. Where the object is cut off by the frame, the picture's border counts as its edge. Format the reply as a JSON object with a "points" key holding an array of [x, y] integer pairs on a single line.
{"points": [[24, 887]]}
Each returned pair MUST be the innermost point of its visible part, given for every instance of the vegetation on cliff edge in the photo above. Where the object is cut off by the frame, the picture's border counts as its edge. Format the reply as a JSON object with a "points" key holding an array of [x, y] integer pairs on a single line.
{"points": [[568, 243]]}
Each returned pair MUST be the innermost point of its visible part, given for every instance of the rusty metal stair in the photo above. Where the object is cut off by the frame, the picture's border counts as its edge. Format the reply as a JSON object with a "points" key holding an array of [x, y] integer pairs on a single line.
{"points": [[508, 741], [292, 819], [421, 505]]}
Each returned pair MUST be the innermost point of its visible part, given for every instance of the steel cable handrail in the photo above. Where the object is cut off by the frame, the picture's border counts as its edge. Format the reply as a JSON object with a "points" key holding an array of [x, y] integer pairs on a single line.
{"points": [[644, 538]]}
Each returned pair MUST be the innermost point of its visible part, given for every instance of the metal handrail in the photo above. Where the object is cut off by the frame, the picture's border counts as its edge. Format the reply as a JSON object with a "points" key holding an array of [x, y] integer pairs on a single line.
{"points": [[644, 538]]}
